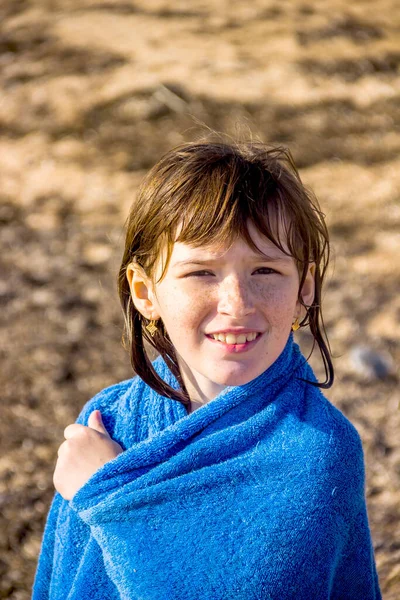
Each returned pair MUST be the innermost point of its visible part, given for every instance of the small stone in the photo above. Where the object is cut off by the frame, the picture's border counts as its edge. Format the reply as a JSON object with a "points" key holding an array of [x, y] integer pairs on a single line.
{"points": [[97, 254], [27, 444], [42, 222], [370, 363], [41, 297], [387, 323], [31, 548], [92, 294]]}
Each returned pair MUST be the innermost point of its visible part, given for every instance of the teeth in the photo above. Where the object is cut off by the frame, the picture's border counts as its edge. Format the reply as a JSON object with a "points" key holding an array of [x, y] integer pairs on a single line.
{"points": [[251, 336], [231, 338]]}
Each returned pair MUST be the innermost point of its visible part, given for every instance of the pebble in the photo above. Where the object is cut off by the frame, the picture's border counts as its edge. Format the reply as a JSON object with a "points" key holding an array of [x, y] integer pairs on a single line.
{"points": [[370, 363], [97, 254]]}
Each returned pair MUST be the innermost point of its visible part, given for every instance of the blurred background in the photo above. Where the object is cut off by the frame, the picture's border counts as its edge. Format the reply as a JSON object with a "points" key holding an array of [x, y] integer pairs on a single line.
{"points": [[93, 92]]}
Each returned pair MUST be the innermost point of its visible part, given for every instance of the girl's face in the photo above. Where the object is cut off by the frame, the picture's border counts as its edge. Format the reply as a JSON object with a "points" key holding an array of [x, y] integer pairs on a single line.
{"points": [[247, 301]]}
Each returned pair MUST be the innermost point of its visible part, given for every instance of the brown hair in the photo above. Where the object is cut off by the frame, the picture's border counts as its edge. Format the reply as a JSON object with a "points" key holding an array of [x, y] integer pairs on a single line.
{"points": [[212, 190]]}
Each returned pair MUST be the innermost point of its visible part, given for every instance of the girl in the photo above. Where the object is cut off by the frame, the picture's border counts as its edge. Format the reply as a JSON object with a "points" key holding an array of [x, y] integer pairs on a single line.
{"points": [[220, 471]]}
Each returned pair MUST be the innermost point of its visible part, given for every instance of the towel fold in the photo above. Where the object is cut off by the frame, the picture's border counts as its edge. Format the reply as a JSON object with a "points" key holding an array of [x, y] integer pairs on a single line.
{"points": [[258, 494]]}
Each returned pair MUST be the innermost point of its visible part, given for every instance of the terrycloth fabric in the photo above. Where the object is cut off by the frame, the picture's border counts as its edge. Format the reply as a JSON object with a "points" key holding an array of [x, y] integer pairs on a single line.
{"points": [[259, 494]]}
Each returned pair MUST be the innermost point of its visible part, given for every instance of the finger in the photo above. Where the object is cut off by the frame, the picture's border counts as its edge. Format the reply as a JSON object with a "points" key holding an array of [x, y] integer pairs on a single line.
{"points": [[95, 421], [72, 430]]}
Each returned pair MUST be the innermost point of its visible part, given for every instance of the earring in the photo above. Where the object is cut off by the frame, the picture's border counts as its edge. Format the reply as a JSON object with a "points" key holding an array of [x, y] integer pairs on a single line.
{"points": [[152, 327], [296, 324]]}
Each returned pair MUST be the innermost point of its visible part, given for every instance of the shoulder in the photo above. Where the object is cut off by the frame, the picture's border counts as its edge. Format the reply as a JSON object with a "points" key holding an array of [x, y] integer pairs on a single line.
{"points": [[334, 428], [124, 405], [122, 394], [318, 421], [343, 434], [327, 451], [107, 399], [339, 443]]}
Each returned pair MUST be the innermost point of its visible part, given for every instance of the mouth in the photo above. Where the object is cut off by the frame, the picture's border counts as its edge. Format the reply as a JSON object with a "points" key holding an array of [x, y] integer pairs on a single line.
{"points": [[235, 343]]}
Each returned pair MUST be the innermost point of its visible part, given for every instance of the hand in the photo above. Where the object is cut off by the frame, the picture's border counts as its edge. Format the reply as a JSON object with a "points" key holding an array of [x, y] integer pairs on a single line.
{"points": [[85, 450]]}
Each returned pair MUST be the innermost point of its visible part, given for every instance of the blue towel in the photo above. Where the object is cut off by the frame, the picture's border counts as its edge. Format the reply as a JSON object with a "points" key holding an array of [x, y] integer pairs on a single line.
{"points": [[258, 494]]}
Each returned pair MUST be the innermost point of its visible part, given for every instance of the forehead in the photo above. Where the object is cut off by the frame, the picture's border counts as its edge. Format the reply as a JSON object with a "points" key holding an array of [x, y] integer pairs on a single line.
{"points": [[181, 250]]}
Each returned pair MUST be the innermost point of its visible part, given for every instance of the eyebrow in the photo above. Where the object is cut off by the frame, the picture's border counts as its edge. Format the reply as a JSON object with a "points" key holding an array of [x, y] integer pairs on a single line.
{"points": [[255, 258]]}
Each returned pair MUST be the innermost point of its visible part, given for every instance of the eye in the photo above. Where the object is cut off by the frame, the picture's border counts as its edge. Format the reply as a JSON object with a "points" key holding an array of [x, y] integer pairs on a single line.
{"points": [[264, 271], [268, 271], [198, 274]]}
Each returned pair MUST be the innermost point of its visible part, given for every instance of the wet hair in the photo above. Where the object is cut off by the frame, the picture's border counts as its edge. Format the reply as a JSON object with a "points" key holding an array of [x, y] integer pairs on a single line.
{"points": [[204, 193]]}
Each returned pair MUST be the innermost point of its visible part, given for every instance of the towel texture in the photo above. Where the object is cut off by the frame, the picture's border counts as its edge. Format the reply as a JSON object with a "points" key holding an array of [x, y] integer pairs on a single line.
{"points": [[259, 494]]}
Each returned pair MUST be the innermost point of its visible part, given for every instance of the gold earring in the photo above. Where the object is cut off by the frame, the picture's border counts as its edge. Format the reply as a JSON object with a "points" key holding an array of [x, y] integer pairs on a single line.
{"points": [[296, 324], [152, 327]]}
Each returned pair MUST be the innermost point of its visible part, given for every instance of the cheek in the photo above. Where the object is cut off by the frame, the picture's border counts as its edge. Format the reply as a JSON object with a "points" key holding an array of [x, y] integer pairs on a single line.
{"points": [[181, 311], [279, 301]]}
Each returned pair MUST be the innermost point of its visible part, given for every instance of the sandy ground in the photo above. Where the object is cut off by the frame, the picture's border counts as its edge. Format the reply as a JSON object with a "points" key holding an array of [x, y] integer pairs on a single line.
{"points": [[92, 93]]}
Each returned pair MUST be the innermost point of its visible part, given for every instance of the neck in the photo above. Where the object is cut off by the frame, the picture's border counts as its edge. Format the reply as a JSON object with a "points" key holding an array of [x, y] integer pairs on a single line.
{"points": [[199, 389]]}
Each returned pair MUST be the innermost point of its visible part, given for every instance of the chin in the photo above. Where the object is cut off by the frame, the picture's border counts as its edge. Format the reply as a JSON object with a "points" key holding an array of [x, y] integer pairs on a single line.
{"points": [[235, 379]]}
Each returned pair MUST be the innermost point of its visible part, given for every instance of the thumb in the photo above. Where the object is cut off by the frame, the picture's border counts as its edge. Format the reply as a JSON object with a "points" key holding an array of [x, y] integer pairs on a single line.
{"points": [[95, 421]]}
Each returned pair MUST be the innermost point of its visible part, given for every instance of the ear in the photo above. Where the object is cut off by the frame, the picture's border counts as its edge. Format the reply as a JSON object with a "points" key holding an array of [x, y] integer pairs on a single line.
{"points": [[142, 291], [308, 289]]}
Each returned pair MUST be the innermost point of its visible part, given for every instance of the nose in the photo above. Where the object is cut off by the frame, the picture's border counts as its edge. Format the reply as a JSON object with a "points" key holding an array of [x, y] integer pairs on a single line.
{"points": [[235, 298]]}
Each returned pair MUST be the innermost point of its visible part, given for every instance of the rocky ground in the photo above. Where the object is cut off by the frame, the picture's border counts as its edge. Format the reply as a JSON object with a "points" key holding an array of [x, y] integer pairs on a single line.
{"points": [[92, 93]]}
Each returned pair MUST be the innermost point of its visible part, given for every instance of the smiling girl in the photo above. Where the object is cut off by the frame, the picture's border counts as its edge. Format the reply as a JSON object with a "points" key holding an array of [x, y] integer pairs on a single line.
{"points": [[220, 471]]}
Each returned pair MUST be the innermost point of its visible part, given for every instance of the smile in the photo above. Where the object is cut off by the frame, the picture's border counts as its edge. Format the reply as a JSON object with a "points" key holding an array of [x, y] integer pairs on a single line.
{"points": [[231, 338], [234, 343]]}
